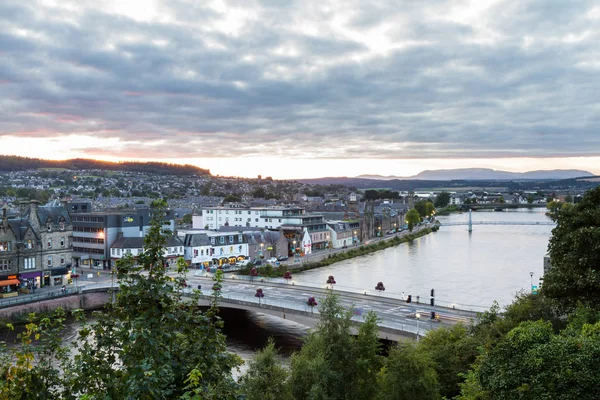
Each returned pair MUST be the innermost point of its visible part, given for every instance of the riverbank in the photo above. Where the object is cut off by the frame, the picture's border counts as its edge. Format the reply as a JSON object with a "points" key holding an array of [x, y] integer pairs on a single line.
{"points": [[274, 272]]}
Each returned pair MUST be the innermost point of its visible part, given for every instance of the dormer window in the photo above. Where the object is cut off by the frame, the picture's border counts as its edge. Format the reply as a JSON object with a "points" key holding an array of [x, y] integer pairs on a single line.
{"points": [[49, 227]]}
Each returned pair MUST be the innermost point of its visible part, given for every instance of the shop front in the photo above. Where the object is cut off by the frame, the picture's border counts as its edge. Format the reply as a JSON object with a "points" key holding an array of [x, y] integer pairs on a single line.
{"points": [[31, 280], [58, 276], [9, 286]]}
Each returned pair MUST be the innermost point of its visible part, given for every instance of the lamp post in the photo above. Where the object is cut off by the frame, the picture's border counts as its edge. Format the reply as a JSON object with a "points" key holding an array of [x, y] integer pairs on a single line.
{"points": [[354, 238], [418, 316], [531, 275], [261, 250]]}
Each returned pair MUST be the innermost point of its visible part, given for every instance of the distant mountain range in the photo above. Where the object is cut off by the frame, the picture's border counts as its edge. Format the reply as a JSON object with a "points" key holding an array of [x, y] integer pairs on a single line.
{"points": [[486, 174]]}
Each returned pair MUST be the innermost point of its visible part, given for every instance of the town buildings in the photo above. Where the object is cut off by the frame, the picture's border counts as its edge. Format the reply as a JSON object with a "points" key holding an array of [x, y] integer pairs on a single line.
{"points": [[95, 232], [35, 247]]}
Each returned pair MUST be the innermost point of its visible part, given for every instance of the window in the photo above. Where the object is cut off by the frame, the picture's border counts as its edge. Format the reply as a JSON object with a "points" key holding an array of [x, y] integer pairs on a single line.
{"points": [[62, 241], [256, 220], [201, 252], [29, 244], [231, 239], [29, 263], [49, 261], [62, 259], [5, 265], [240, 238], [49, 243], [5, 246], [279, 219], [212, 240], [222, 239], [49, 228], [61, 225]]}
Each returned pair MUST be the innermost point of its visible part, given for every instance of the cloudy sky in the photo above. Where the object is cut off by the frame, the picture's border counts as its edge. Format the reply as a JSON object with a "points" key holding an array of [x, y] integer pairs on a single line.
{"points": [[304, 88]]}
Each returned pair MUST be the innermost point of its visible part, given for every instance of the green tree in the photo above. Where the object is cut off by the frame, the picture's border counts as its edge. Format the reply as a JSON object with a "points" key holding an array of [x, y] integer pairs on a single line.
{"points": [[412, 218], [187, 218], [149, 344], [259, 193], [532, 362], [408, 373], [442, 199], [266, 379], [575, 252], [530, 199], [333, 364], [554, 208], [452, 350], [429, 209], [32, 368]]}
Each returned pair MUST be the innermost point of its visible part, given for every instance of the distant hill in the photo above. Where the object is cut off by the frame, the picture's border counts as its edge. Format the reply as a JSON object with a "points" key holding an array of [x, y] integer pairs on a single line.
{"points": [[486, 174], [14, 163]]}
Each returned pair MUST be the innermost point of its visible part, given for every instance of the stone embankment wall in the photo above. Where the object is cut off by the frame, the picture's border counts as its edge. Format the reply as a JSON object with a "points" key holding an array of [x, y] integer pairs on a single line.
{"points": [[86, 301]]}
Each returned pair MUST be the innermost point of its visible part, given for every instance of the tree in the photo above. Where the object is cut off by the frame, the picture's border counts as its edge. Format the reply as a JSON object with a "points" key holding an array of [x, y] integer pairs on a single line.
{"points": [[532, 362], [259, 193], [408, 373], [429, 209], [530, 199], [150, 344], [187, 219], [266, 379], [554, 208], [568, 198], [442, 199], [333, 364], [412, 218], [575, 252], [452, 350]]}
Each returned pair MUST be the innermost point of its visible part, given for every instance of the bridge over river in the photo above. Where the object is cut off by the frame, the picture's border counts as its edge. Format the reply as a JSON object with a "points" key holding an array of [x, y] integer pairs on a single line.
{"points": [[470, 223], [398, 319]]}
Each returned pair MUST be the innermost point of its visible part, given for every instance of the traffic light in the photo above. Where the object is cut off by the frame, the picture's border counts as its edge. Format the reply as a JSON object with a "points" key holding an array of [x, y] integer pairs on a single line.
{"points": [[432, 293], [433, 315], [409, 299], [432, 302]]}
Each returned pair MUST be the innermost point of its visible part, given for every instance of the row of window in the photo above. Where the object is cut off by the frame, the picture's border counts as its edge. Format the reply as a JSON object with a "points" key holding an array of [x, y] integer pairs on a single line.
{"points": [[5, 246], [213, 240], [87, 250], [87, 229], [88, 240], [29, 263], [87, 219], [62, 242]]}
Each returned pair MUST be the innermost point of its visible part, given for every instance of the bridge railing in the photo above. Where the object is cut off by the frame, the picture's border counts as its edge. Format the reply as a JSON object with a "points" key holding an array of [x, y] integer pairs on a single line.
{"points": [[33, 297]]}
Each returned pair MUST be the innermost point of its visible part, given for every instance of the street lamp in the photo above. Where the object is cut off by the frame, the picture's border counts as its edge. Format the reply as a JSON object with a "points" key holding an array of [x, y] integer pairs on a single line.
{"points": [[418, 316], [261, 249], [531, 275]]}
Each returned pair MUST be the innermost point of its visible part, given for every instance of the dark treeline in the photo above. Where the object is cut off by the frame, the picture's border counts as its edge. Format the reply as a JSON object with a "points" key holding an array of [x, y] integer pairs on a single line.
{"points": [[15, 163]]}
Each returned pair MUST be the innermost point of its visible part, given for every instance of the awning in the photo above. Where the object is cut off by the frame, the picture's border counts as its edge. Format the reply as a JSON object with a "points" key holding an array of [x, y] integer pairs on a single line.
{"points": [[9, 282]]}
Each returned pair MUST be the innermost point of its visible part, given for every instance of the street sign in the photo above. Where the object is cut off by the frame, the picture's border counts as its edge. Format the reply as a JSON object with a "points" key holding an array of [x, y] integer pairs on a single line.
{"points": [[534, 289]]}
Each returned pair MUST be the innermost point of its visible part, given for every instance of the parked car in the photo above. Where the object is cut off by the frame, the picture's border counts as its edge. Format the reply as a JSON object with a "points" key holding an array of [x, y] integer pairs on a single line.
{"points": [[282, 258], [272, 260], [242, 263]]}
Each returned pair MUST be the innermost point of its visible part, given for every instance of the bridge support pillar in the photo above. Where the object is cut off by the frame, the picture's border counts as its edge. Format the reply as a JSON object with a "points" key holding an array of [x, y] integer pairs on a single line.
{"points": [[470, 221]]}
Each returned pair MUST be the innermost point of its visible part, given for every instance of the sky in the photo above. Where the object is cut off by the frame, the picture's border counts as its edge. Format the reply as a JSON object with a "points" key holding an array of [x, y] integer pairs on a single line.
{"points": [[307, 88]]}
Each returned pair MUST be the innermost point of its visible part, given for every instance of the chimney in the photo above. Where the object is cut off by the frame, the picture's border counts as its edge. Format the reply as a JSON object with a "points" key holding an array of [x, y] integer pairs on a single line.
{"points": [[23, 208], [4, 216], [33, 213]]}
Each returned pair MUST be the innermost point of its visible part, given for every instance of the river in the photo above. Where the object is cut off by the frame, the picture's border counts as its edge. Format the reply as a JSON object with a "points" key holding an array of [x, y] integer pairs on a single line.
{"points": [[469, 270]]}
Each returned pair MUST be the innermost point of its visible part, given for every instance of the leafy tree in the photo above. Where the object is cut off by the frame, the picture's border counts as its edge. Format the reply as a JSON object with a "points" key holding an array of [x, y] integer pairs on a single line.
{"points": [[575, 252], [259, 193], [333, 364], [530, 199], [554, 208], [149, 344], [408, 373], [31, 370], [442, 199], [429, 209], [266, 379], [232, 198], [187, 218], [452, 350], [412, 218], [532, 362]]}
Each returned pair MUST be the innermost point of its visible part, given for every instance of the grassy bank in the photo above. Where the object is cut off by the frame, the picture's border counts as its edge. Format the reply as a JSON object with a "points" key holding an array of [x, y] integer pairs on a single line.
{"points": [[447, 210], [274, 272]]}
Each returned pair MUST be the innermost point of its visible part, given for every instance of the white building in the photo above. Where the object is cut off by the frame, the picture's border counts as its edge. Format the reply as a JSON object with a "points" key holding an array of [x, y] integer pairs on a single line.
{"points": [[134, 246], [213, 218]]}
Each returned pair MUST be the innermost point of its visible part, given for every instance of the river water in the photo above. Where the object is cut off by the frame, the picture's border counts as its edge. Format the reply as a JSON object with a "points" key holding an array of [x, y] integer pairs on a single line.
{"points": [[469, 270]]}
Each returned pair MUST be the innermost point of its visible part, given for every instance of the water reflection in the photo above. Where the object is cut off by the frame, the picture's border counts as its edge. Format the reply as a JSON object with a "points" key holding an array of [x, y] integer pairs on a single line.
{"points": [[470, 270]]}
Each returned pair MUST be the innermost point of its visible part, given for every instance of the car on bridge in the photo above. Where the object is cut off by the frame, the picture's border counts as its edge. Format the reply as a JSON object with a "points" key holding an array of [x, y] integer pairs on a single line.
{"points": [[272, 261]]}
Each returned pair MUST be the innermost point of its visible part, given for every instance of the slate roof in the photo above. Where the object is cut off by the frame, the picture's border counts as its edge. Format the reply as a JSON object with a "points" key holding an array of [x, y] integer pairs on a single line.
{"points": [[256, 238], [19, 227], [196, 239]]}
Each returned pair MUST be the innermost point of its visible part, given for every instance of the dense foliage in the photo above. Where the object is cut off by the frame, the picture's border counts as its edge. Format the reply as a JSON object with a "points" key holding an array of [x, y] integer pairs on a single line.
{"points": [[15, 163]]}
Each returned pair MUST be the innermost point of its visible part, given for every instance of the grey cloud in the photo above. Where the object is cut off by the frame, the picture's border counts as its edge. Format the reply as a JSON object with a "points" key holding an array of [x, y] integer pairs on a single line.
{"points": [[445, 96]]}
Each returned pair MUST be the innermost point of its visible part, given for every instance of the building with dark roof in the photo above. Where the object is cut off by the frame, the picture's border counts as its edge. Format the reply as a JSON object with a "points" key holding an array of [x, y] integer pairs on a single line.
{"points": [[134, 246]]}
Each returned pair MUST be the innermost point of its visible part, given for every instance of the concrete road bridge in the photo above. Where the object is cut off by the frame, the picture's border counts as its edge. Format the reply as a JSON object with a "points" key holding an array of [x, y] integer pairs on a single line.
{"points": [[398, 319]]}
